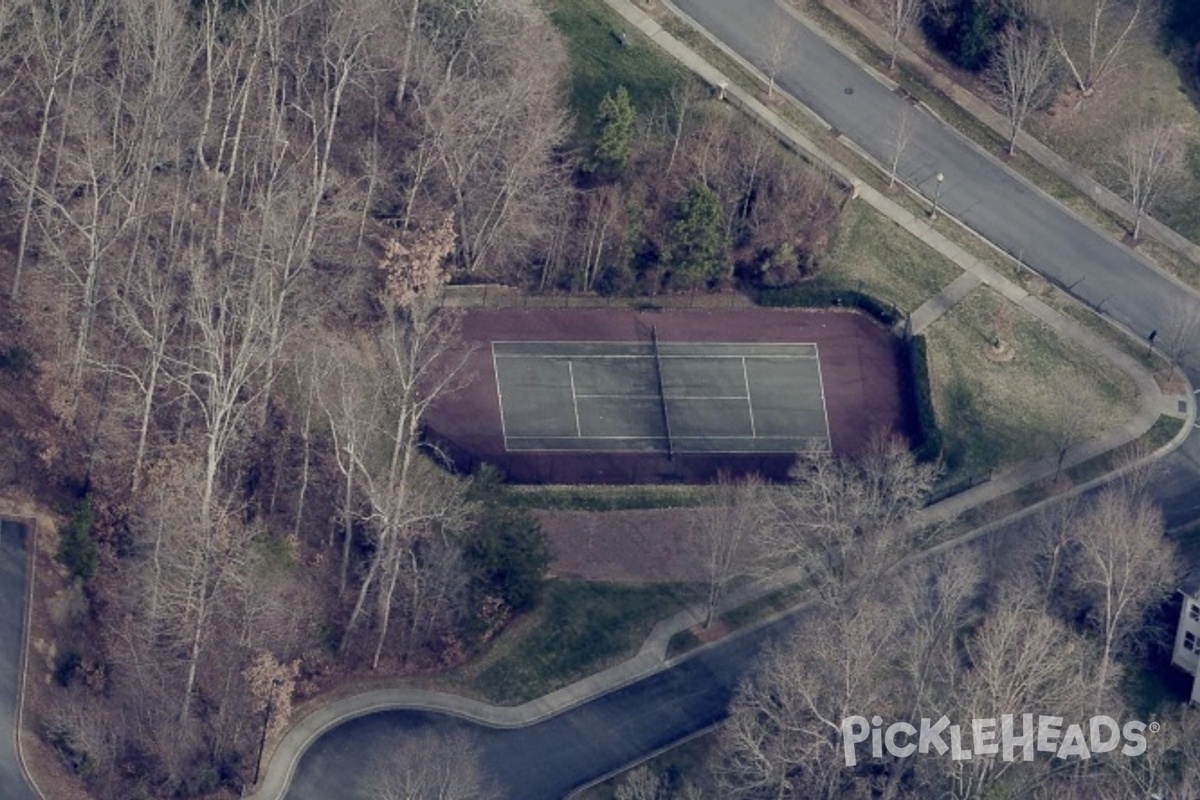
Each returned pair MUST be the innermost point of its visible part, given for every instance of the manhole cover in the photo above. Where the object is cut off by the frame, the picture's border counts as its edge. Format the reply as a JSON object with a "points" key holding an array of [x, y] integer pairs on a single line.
{"points": [[849, 90]]}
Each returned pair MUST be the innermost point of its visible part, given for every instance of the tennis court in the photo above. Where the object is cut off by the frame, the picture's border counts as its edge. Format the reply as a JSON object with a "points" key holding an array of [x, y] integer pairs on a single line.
{"points": [[660, 397]]}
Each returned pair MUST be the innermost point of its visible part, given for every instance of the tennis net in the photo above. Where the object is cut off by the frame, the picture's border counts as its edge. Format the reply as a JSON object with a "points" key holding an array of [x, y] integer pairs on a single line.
{"points": [[662, 393]]}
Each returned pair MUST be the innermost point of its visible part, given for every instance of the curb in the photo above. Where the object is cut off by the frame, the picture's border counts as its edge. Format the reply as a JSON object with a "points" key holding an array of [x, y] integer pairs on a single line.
{"points": [[31, 539], [457, 706], [1075, 176]]}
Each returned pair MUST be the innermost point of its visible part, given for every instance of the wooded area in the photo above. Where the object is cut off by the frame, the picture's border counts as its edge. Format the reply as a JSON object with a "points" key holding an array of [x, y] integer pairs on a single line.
{"points": [[228, 225]]}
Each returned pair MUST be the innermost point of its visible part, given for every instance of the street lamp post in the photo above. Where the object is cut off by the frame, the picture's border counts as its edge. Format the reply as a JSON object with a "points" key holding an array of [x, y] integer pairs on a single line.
{"points": [[262, 743], [937, 195]]}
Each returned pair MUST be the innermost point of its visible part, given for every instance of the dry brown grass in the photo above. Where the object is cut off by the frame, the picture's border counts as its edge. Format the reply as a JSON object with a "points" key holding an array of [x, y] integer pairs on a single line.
{"points": [[996, 412]]}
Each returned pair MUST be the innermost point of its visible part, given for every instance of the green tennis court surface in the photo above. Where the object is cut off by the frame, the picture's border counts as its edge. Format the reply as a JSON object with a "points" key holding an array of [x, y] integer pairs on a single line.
{"points": [[710, 398]]}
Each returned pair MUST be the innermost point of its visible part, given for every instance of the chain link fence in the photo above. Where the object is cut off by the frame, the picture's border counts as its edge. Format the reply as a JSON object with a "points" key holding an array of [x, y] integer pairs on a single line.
{"points": [[497, 296]]}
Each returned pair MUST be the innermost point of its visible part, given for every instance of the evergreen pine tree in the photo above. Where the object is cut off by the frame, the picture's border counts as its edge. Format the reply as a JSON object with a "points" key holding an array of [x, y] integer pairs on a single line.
{"points": [[696, 250]]}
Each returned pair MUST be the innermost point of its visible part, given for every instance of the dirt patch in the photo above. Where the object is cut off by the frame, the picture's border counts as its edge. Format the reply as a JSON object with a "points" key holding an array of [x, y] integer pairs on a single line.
{"points": [[862, 373], [629, 547]]}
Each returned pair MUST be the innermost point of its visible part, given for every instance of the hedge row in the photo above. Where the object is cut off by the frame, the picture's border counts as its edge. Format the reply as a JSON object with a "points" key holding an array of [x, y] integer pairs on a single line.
{"points": [[818, 294], [930, 448]]}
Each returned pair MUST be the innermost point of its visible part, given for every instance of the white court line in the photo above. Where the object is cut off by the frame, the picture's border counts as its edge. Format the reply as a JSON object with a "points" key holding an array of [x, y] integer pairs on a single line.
{"points": [[561, 342], [574, 400], [499, 396], [749, 405], [656, 438], [665, 356], [655, 397], [757, 452], [824, 405]]}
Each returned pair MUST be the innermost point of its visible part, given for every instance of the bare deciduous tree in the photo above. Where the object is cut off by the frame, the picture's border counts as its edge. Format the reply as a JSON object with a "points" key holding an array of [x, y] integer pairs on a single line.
{"points": [[406, 498], [1125, 565], [1150, 156], [641, 783], [783, 735], [1020, 658], [685, 95], [776, 54], [1068, 421], [1182, 329], [431, 765], [223, 372], [1091, 36], [62, 43], [904, 126], [493, 132], [901, 15], [727, 535], [1022, 73], [846, 519]]}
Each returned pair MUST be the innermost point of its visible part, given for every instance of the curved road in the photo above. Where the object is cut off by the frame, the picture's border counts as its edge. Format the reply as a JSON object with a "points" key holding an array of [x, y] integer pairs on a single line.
{"points": [[546, 760]]}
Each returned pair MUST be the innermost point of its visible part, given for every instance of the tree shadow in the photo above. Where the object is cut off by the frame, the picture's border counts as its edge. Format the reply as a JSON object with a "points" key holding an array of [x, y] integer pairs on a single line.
{"points": [[1179, 33]]}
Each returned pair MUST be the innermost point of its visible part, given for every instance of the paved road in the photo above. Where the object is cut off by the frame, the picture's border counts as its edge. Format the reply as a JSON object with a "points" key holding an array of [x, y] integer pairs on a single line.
{"points": [[977, 189], [12, 619], [545, 761]]}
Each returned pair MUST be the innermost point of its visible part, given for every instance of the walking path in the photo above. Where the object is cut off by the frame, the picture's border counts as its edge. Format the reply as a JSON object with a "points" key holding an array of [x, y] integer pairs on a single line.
{"points": [[652, 657], [1030, 145], [933, 308]]}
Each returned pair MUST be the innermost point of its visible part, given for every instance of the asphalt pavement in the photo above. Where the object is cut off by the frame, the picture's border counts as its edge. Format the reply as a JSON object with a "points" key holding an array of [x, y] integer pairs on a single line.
{"points": [[977, 189], [545, 761], [12, 621]]}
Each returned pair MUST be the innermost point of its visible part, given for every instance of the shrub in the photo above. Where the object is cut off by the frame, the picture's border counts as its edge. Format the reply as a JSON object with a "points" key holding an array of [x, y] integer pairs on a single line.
{"points": [[819, 294], [68, 667], [930, 448], [16, 361], [77, 550], [506, 552], [507, 555]]}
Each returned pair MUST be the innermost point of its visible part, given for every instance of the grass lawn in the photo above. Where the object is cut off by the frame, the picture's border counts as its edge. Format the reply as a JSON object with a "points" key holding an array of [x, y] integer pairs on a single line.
{"points": [[600, 63], [992, 411], [1089, 134], [604, 498], [870, 253], [1149, 82], [579, 629]]}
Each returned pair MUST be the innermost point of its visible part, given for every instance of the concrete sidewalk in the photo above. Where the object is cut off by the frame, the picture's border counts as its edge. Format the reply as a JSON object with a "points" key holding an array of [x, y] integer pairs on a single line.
{"points": [[652, 657], [935, 307], [1027, 143]]}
